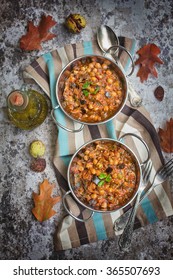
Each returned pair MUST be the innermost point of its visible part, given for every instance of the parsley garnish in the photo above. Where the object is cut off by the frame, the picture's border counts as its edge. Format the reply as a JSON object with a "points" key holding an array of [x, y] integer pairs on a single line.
{"points": [[86, 85], [96, 90], [85, 92], [104, 178]]}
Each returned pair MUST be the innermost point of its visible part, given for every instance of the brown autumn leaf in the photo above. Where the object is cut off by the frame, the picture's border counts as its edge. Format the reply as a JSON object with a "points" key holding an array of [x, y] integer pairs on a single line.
{"points": [[31, 41], [44, 202], [148, 56], [45, 24], [37, 34], [166, 137]]}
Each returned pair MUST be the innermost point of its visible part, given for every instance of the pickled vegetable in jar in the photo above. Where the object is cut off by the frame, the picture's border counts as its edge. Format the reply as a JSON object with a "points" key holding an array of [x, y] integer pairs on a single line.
{"points": [[27, 109]]}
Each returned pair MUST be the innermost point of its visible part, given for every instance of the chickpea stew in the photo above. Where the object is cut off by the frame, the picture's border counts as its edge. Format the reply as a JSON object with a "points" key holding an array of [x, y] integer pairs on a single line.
{"points": [[104, 175], [93, 91]]}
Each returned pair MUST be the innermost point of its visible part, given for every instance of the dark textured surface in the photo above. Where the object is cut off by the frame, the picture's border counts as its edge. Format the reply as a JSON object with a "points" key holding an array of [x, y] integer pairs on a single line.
{"points": [[21, 236]]}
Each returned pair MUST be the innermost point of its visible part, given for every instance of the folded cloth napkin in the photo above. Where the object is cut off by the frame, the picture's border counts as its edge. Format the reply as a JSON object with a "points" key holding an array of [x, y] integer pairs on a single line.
{"points": [[159, 204]]}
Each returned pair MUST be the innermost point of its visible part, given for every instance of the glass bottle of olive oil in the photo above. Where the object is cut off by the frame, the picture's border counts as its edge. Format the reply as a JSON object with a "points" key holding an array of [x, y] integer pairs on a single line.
{"points": [[27, 109]]}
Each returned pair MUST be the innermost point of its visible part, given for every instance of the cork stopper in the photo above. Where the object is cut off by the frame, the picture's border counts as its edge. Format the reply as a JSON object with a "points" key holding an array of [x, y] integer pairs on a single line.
{"points": [[16, 98]]}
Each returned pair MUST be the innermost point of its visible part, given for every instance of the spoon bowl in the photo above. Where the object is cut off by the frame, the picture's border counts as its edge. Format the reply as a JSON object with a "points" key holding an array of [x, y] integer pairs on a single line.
{"points": [[106, 38]]}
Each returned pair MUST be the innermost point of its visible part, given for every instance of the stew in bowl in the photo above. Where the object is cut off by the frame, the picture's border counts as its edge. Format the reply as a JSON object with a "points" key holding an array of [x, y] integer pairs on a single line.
{"points": [[104, 175]]}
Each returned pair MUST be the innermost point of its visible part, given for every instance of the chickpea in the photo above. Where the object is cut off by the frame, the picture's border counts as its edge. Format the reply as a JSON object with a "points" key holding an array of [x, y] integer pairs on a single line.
{"points": [[100, 77], [91, 155], [91, 187], [111, 161], [119, 92], [99, 118], [108, 72], [93, 195], [92, 74], [91, 89], [110, 197], [89, 165], [110, 190], [86, 157], [95, 109], [104, 66], [110, 81], [70, 99], [106, 108], [108, 88], [104, 205], [116, 84], [102, 91], [100, 165], [72, 79], [98, 172], [81, 190], [93, 171], [114, 176], [98, 65], [81, 168], [101, 192], [94, 79], [91, 65], [90, 106], [113, 93]]}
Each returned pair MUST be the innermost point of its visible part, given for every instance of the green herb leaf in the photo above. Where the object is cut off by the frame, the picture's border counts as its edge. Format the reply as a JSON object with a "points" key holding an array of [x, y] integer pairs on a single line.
{"points": [[86, 85], [96, 90], [101, 183], [108, 178], [85, 92], [102, 176]]}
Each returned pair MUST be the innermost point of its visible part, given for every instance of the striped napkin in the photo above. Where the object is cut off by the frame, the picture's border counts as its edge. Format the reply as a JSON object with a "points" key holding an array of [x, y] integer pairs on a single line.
{"points": [[158, 205]]}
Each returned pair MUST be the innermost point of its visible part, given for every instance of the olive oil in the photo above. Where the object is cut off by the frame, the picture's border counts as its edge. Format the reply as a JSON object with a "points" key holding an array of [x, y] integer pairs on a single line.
{"points": [[27, 109]]}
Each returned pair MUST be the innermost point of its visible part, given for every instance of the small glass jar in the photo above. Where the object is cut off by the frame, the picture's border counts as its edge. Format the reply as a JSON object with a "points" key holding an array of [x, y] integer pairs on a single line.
{"points": [[27, 108]]}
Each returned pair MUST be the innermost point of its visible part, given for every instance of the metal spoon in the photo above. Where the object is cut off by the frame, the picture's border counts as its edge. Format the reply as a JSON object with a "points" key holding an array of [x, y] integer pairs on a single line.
{"points": [[106, 38]]}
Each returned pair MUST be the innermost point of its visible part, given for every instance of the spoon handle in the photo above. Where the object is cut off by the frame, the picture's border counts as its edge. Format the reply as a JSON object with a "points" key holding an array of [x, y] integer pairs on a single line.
{"points": [[135, 99], [126, 238]]}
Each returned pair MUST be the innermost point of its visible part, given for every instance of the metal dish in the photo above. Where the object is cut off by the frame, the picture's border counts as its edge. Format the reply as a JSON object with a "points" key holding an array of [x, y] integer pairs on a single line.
{"points": [[137, 168], [61, 82]]}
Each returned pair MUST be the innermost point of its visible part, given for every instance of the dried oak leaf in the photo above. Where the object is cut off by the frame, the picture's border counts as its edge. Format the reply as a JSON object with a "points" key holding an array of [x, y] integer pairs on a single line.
{"points": [[44, 202], [166, 137], [37, 34], [148, 56]]}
